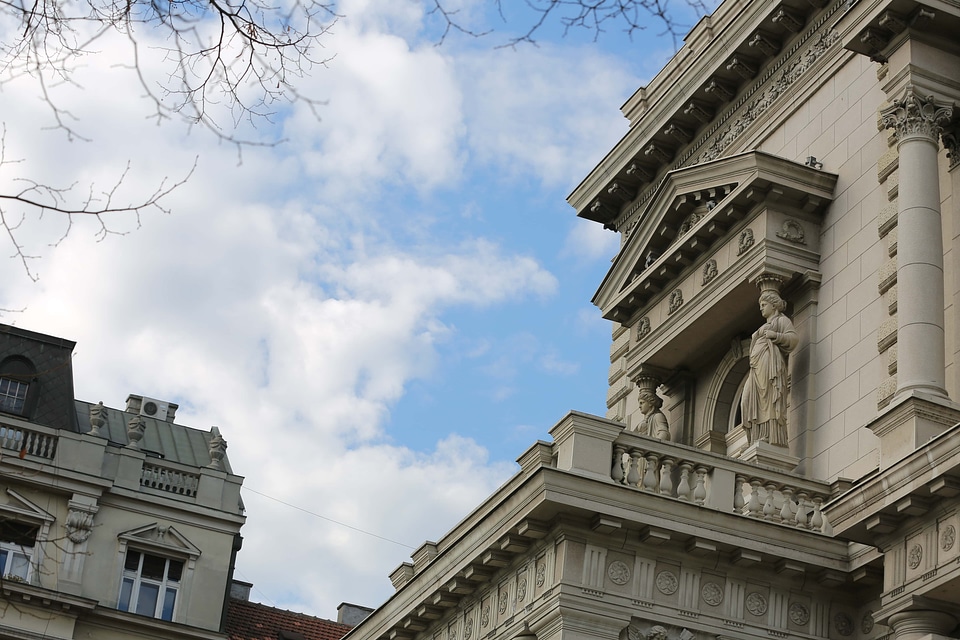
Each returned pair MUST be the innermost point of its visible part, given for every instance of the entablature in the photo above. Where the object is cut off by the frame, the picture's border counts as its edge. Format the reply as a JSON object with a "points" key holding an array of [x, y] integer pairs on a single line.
{"points": [[761, 48]]}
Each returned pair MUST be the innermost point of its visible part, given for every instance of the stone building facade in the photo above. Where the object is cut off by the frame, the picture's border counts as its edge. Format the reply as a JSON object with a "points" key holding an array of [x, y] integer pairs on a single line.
{"points": [[781, 452], [114, 523]]}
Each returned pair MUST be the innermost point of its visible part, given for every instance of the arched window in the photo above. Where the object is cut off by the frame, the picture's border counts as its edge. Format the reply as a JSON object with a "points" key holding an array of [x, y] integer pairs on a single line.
{"points": [[722, 408], [17, 385]]}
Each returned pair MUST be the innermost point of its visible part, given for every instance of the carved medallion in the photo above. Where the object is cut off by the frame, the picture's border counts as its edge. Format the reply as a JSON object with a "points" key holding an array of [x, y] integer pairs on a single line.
{"points": [[541, 574], [485, 616], [643, 328], [452, 632], [746, 241], [866, 625], [843, 624], [522, 589], [756, 603], [948, 537], [618, 572], [667, 583], [502, 607], [792, 231], [711, 593], [914, 556], [709, 271], [799, 614], [676, 300]]}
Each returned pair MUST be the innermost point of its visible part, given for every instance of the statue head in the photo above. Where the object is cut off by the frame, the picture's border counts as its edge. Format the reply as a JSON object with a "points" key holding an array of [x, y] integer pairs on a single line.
{"points": [[774, 299], [657, 633], [650, 397]]}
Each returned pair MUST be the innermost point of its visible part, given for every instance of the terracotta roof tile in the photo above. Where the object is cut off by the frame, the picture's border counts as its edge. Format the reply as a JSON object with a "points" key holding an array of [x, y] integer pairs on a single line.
{"points": [[255, 621]]}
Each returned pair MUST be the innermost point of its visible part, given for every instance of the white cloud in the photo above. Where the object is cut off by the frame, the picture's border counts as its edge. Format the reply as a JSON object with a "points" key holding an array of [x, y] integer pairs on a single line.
{"points": [[273, 300], [589, 241]]}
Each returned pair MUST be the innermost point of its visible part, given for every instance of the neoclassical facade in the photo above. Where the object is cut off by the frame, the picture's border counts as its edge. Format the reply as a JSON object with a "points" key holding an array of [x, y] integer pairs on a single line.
{"points": [[786, 294], [115, 524]]}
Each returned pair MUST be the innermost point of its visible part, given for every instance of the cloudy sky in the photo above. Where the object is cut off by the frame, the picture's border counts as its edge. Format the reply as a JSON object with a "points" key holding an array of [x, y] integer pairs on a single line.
{"points": [[380, 314]]}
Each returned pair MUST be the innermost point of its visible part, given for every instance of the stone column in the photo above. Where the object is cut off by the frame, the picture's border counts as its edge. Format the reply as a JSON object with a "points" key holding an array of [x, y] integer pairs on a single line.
{"points": [[918, 121], [914, 625]]}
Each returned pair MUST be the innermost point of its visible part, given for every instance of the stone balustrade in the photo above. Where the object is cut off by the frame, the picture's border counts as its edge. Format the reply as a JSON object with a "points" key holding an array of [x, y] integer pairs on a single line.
{"points": [[28, 442], [727, 484], [163, 477]]}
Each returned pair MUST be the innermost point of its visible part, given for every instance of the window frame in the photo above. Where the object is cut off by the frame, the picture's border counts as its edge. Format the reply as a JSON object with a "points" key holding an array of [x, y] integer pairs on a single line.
{"points": [[20, 510], [163, 542], [130, 600]]}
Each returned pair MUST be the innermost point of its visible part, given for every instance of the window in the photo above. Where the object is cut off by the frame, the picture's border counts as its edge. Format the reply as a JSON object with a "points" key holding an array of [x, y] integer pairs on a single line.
{"points": [[13, 395], [17, 540], [150, 584]]}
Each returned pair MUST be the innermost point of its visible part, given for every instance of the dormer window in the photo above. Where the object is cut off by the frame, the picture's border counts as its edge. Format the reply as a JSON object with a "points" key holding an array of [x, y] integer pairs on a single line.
{"points": [[13, 395]]}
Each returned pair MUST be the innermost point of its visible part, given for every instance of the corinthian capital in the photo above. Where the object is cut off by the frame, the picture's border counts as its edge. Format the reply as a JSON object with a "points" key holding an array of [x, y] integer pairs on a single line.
{"points": [[914, 114]]}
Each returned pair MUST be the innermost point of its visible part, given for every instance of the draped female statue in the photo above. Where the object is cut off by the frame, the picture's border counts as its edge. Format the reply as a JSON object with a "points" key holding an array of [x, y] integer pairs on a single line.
{"points": [[764, 401]]}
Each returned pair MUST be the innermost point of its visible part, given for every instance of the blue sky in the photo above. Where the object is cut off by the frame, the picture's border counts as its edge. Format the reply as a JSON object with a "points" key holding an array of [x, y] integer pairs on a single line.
{"points": [[380, 314]]}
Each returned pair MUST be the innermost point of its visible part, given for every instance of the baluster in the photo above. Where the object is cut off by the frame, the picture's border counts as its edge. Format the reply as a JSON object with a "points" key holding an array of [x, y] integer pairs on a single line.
{"points": [[683, 489], [650, 474], [786, 513], [801, 519], [666, 477], [769, 509], [700, 493], [816, 522], [754, 507], [738, 494], [633, 476], [617, 471], [30, 443]]}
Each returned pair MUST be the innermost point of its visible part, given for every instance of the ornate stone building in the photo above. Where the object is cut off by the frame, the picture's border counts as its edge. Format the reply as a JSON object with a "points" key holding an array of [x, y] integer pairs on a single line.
{"points": [[787, 288], [781, 454], [114, 523]]}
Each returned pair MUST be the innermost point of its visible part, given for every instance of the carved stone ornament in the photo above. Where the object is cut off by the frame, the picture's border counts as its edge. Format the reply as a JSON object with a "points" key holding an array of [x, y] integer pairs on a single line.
{"points": [[541, 573], [799, 614], [746, 241], [452, 632], [667, 583], [218, 449], [98, 418], [914, 556], [710, 271], [756, 603], [947, 537], [866, 625], [951, 142], [916, 115], [522, 590], [485, 616], [792, 231], [676, 300], [643, 328], [712, 593], [79, 523], [657, 632], [468, 629], [502, 606], [843, 623], [618, 572], [135, 430], [790, 74]]}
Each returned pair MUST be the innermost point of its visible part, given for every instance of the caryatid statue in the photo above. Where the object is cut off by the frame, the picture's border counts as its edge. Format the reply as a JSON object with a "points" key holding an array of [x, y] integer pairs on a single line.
{"points": [[763, 404]]}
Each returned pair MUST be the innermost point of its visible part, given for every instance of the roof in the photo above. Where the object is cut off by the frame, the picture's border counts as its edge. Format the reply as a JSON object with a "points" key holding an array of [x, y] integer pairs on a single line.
{"points": [[255, 621], [168, 440]]}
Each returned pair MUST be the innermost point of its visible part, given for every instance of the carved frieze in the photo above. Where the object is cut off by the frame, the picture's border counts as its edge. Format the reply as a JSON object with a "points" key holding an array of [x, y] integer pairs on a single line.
{"points": [[667, 583], [746, 241], [792, 231], [618, 572], [710, 271]]}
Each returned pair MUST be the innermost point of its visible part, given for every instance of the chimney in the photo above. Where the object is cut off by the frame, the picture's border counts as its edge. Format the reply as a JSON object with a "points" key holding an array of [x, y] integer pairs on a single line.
{"points": [[152, 408], [240, 590], [352, 614]]}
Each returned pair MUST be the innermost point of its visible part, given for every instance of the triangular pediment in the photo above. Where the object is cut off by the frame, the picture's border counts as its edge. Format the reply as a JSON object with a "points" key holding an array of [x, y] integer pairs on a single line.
{"points": [[694, 209], [164, 539], [18, 507]]}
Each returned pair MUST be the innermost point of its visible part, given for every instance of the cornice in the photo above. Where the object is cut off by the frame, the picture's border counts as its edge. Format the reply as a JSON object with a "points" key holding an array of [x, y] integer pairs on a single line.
{"points": [[634, 164]]}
